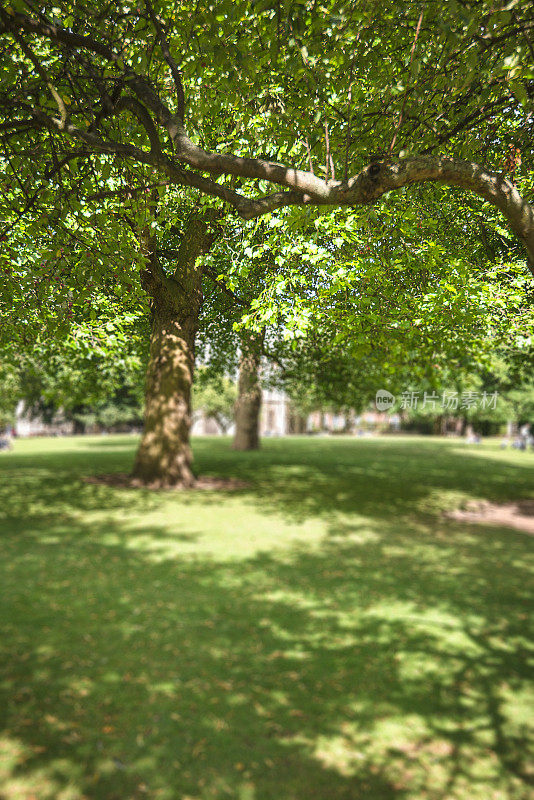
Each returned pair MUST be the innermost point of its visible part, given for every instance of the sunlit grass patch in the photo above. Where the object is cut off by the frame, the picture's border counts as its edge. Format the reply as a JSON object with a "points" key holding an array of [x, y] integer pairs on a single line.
{"points": [[325, 632]]}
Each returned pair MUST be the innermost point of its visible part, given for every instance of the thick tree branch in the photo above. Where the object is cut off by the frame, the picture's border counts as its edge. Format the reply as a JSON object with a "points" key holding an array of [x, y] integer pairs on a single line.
{"points": [[367, 187], [220, 163], [253, 168], [379, 178], [174, 171], [301, 187], [497, 190], [140, 112], [200, 233], [153, 278], [16, 21]]}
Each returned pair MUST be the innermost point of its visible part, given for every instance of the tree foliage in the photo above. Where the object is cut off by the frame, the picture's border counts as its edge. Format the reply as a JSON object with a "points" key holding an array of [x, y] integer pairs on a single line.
{"points": [[276, 95], [214, 396], [128, 132]]}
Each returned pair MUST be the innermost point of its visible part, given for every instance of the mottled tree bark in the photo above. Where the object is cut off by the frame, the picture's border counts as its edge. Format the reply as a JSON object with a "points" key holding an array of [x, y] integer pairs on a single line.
{"points": [[164, 457], [248, 404]]}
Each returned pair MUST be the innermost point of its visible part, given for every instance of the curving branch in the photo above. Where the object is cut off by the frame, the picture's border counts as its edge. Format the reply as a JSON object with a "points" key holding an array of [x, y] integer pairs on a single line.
{"points": [[379, 178], [165, 49], [299, 186], [14, 21], [142, 115], [365, 188], [297, 180], [174, 171], [28, 52]]}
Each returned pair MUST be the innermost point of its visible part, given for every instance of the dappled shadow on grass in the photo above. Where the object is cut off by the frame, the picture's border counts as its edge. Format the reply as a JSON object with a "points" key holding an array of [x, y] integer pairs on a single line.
{"points": [[381, 479], [385, 669], [390, 661], [301, 478]]}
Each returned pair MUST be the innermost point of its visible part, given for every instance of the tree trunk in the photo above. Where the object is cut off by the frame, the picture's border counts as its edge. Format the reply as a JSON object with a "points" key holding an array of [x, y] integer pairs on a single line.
{"points": [[248, 404], [164, 458], [297, 422]]}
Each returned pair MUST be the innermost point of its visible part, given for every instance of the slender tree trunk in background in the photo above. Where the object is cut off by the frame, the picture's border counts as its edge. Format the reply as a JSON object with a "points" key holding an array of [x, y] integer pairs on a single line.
{"points": [[248, 404], [297, 422], [164, 457], [79, 427]]}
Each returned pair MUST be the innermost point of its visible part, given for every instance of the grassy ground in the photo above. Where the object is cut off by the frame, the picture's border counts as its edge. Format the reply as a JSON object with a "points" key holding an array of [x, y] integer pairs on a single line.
{"points": [[322, 635]]}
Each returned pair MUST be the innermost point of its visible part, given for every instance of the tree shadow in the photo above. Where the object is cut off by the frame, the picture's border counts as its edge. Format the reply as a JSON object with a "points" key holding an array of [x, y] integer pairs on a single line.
{"points": [[377, 479], [356, 671], [299, 478], [389, 661]]}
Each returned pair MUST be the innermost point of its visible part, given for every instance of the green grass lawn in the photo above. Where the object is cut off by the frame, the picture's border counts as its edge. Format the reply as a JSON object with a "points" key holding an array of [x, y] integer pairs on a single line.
{"points": [[325, 634]]}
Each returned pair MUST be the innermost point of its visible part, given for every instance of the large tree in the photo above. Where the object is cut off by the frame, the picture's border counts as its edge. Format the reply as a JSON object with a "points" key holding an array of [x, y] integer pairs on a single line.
{"points": [[236, 99]]}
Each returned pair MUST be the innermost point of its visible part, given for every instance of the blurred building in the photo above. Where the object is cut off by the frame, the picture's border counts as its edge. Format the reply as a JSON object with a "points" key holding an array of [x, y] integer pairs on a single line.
{"points": [[278, 417], [28, 425]]}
